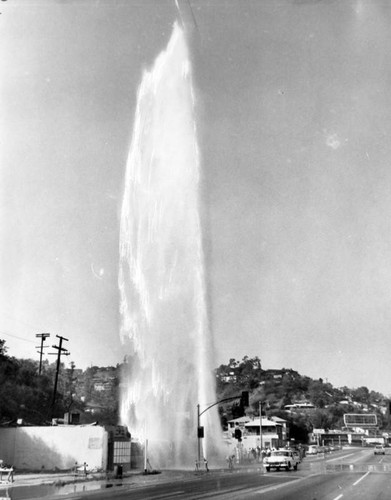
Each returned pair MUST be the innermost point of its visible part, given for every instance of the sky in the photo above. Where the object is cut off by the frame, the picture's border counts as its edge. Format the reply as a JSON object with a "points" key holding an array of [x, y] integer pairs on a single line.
{"points": [[293, 119]]}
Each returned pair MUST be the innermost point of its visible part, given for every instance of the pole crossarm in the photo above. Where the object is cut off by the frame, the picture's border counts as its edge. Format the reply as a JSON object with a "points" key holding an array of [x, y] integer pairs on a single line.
{"points": [[43, 337], [220, 401]]}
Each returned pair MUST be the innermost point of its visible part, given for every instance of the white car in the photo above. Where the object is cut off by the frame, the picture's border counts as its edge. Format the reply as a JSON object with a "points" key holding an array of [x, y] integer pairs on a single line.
{"points": [[281, 459], [379, 450]]}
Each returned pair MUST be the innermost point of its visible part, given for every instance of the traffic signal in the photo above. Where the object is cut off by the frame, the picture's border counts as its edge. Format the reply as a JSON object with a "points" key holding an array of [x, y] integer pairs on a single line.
{"points": [[200, 432], [244, 399], [238, 434]]}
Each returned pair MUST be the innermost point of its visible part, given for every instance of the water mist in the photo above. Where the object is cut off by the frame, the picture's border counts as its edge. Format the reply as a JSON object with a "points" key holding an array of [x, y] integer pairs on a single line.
{"points": [[161, 277]]}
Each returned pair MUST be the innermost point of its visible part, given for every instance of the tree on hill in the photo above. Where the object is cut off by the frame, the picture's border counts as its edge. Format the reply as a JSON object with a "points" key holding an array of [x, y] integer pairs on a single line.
{"points": [[275, 389], [24, 394], [234, 378], [319, 393], [245, 374], [99, 388], [3, 349]]}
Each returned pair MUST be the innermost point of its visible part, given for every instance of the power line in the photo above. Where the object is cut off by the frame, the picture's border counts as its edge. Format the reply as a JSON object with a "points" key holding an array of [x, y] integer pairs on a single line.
{"points": [[18, 320], [16, 337]]}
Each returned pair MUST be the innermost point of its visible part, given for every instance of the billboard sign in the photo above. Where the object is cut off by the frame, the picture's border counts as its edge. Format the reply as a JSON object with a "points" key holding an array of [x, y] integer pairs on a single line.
{"points": [[360, 420]]}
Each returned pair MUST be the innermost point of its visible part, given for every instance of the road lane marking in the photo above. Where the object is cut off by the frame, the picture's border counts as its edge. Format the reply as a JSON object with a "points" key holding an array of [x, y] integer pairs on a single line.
{"points": [[225, 492], [340, 458], [338, 497], [266, 489], [361, 478], [333, 459], [170, 495]]}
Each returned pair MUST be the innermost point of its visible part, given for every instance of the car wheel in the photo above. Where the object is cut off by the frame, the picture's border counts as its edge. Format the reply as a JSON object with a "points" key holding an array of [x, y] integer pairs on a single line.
{"points": [[295, 466], [267, 469]]}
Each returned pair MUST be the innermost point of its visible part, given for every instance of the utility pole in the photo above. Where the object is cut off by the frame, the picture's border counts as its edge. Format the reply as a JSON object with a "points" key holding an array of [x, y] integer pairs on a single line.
{"points": [[60, 351], [43, 337], [260, 423]]}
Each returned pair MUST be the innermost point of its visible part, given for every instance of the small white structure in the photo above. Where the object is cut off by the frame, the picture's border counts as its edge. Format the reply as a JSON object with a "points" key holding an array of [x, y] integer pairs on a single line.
{"points": [[54, 447], [272, 435], [299, 407]]}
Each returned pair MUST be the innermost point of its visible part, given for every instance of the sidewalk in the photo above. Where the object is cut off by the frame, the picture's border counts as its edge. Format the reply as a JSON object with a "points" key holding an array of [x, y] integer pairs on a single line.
{"points": [[131, 477]]}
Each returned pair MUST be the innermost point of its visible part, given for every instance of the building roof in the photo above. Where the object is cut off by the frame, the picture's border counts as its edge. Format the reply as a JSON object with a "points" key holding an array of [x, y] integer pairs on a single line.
{"points": [[278, 419], [265, 423], [247, 421], [240, 420]]}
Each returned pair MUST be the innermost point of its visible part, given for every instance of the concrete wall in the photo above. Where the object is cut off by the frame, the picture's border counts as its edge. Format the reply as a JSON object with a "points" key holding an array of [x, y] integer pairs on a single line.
{"points": [[56, 447]]}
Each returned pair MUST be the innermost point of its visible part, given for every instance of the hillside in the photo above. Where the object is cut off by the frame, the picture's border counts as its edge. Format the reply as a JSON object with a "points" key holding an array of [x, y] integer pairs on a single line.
{"points": [[277, 391], [94, 394]]}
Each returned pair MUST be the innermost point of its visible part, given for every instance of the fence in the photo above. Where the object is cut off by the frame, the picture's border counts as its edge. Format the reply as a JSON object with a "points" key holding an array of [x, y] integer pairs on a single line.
{"points": [[325, 468]]}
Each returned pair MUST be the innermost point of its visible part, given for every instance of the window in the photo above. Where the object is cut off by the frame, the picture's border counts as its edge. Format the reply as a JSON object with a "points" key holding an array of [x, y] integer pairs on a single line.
{"points": [[122, 452]]}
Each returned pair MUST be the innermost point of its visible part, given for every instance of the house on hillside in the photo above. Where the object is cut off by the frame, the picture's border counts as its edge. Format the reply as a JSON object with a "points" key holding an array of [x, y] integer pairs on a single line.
{"points": [[104, 379], [229, 377], [274, 374], [280, 373], [237, 422], [270, 437], [285, 428], [271, 434], [300, 407]]}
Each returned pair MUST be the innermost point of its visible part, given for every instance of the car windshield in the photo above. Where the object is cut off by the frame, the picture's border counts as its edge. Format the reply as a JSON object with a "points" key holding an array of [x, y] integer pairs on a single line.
{"points": [[280, 453]]}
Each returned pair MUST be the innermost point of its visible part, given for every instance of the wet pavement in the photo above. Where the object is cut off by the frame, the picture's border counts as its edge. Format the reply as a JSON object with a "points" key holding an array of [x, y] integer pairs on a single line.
{"points": [[54, 484], [51, 485]]}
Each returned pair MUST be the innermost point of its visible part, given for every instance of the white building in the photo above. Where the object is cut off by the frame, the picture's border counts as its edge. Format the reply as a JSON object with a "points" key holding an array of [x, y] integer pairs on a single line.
{"points": [[271, 434], [61, 447]]}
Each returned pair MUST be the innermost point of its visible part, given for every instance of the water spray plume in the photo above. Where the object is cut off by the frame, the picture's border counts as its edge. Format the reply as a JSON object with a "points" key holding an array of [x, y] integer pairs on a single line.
{"points": [[186, 15], [161, 277]]}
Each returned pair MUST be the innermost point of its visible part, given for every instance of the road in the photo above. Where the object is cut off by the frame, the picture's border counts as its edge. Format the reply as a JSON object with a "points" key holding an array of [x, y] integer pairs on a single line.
{"points": [[350, 474]]}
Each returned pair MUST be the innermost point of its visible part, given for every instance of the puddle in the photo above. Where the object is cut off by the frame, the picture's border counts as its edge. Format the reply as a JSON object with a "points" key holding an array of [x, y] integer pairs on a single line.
{"points": [[51, 490]]}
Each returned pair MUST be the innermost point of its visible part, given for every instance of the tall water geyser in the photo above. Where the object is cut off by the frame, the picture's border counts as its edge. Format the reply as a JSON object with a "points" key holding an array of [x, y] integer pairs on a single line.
{"points": [[161, 277]]}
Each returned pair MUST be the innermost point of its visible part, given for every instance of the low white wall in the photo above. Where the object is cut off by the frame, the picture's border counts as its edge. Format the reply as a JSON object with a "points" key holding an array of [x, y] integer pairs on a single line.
{"points": [[56, 447]]}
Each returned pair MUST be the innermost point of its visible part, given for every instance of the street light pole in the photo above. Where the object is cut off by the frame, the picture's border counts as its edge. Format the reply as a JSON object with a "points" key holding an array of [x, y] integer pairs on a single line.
{"points": [[198, 437], [200, 430]]}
